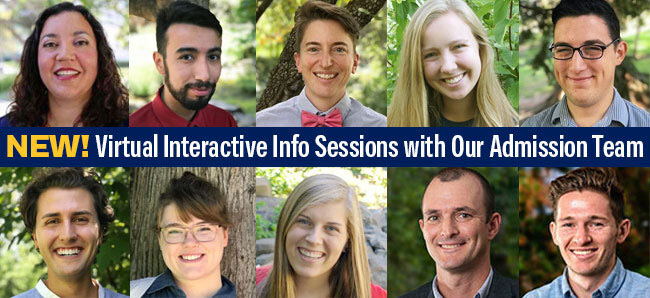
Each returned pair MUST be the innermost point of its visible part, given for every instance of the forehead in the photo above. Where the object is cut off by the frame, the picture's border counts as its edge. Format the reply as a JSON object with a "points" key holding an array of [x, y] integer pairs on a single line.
{"points": [[191, 36], [325, 32], [577, 30], [59, 200], [66, 23], [448, 195], [455, 29], [334, 211], [585, 203], [171, 214]]}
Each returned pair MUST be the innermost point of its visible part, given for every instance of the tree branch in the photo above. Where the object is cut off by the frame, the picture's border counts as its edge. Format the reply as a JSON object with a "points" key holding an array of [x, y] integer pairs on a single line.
{"points": [[264, 4]]}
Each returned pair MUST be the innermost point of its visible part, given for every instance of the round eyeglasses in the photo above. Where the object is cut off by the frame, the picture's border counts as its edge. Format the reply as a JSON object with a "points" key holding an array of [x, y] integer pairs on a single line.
{"points": [[201, 232], [590, 52]]}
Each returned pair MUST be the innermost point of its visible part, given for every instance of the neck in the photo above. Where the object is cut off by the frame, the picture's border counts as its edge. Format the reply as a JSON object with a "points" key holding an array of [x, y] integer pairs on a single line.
{"points": [[74, 287], [64, 111], [459, 110], [463, 283], [584, 286], [323, 104], [204, 287], [313, 287], [175, 105], [588, 116]]}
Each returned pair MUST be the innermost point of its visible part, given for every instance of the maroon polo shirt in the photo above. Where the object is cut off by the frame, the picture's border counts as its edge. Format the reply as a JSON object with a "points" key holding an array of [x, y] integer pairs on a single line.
{"points": [[157, 114]]}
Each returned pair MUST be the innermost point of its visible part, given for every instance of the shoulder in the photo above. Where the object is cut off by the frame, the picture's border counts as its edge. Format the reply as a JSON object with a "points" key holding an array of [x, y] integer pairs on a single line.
{"points": [[108, 293], [377, 291], [223, 117], [142, 116], [33, 293], [139, 286], [636, 283], [423, 291], [541, 119], [4, 121], [261, 273], [546, 290], [277, 114], [638, 116], [365, 116], [503, 286]]}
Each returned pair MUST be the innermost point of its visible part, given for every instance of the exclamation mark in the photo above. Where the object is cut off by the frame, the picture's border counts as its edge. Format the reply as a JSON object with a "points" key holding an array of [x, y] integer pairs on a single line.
{"points": [[84, 140]]}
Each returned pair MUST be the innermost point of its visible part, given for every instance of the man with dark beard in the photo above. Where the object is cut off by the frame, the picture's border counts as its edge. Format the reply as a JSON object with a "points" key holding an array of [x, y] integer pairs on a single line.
{"points": [[188, 37]]}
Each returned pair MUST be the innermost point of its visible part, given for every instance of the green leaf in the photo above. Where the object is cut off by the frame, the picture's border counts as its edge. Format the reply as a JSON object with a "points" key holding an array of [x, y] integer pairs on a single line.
{"points": [[500, 18]]}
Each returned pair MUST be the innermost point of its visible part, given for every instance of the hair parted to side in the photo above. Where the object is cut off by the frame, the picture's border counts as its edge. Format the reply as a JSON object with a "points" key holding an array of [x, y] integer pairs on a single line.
{"points": [[602, 180], [415, 103], [319, 10], [183, 12], [600, 8], [65, 178], [194, 196], [109, 102], [350, 276], [452, 174]]}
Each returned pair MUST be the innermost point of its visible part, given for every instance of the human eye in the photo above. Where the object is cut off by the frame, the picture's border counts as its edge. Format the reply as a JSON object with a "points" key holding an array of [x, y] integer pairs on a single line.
{"points": [[430, 55], [214, 57], [302, 221], [331, 229], [463, 216], [51, 221], [459, 46], [186, 57], [174, 231], [81, 42], [81, 220], [568, 225], [312, 50], [49, 44], [591, 51], [433, 218], [340, 50]]}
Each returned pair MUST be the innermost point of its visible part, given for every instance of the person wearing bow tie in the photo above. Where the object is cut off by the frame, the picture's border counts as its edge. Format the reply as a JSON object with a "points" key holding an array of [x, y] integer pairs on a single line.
{"points": [[326, 56]]}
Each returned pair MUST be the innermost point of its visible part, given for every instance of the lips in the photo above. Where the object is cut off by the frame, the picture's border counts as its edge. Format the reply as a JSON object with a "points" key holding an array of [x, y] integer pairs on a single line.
{"points": [[579, 79], [583, 252], [451, 245], [455, 79], [201, 91], [68, 251], [310, 255], [191, 257], [66, 73], [326, 76]]}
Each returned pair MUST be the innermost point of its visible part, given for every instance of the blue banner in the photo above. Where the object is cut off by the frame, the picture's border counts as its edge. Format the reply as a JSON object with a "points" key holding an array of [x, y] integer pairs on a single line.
{"points": [[267, 147]]}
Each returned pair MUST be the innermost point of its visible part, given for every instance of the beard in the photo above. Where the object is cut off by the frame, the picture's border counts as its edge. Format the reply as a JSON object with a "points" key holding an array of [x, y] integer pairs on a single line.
{"points": [[180, 94]]}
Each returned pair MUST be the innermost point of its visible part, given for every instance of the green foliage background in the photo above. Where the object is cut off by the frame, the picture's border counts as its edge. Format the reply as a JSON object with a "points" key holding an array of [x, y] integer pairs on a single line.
{"points": [[499, 17], [409, 263], [539, 259], [21, 266]]}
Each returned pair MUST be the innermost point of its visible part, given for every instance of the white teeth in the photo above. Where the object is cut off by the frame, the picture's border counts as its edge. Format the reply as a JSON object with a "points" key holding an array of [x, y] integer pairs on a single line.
{"points": [[66, 72], [325, 76], [190, 257], [449, 246], [309, 254], [582, 252], [454, 79], [67, 251]]}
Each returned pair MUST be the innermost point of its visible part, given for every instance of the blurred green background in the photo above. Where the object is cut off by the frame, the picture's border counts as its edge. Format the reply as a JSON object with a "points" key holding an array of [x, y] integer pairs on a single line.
{"points": [[538, 86], [499, 17], [539, 259], [409, 263], [367, 85], [21, 266], [236, 87]]}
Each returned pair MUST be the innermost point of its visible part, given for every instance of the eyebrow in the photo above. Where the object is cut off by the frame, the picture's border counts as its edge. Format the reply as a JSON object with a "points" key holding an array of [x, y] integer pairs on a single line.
{"points": [[337, 43], [175, 224], [457, 209], [586, 43], [54, 35], [57, 214], [194, 50], [592, 217], [329, 222], [455, 41]]}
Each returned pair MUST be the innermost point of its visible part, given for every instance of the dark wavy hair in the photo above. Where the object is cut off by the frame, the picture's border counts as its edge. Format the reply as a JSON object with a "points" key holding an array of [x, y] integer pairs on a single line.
{"points": [[109, 102]]}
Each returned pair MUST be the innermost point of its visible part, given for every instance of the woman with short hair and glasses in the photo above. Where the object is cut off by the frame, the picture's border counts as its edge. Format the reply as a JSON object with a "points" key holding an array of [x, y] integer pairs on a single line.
{"points": [[192, 224]]}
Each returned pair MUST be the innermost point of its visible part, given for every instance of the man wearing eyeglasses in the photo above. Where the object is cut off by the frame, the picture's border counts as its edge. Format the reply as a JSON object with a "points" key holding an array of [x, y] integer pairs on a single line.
{"points": [[192, 224], [586, 51]]}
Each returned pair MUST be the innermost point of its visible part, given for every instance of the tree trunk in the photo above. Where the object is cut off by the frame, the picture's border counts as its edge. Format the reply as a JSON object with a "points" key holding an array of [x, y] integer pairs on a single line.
{"points": [[285, 81], [236, 184], [148, 9]]}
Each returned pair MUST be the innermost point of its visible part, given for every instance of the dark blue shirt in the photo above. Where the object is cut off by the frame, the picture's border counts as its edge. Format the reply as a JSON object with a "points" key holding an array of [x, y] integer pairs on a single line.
{"points": [[165, 287]]}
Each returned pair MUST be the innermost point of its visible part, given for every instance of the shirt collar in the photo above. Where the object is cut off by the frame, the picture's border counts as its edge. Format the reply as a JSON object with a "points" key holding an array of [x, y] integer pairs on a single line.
{"points": [[166, 116], [482, 292], [609, 288], [166, 280], [305, 105], [44, 291], [616, 114]]}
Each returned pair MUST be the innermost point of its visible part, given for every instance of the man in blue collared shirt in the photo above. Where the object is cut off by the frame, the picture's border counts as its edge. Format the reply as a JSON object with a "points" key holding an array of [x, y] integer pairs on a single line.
{"points": [[588, 222], [592, 29]]}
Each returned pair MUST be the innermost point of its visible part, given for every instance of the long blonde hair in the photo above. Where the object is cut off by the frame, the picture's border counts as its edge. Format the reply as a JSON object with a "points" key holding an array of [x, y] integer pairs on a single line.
{"points": [[412, 97], [350, 276]]}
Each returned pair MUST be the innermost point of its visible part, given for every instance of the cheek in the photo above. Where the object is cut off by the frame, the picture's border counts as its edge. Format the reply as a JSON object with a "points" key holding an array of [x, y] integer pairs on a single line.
{"points": [[430, 70]]}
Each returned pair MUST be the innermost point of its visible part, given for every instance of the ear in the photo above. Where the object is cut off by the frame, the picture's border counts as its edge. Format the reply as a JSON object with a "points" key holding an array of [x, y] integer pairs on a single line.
{"points": [[421, 222], [621, 50], [356, 63], [623, 230], [494, 224], [159, 60], [296, 57], [225, 237], [34, 239], [552, 227]]}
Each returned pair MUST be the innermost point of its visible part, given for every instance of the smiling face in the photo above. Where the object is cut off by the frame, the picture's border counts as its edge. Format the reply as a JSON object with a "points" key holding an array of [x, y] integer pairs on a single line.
{"points": [[67, 56], [326, 60], [586, 233], [67, 232], [191, 259], [454, 225], [316, 239], [192, 66], [587, 82], [450, 57]]}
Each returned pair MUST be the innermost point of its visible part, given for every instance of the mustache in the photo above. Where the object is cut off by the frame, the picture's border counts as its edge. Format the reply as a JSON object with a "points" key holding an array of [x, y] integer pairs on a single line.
{"points": [[201, 84]]}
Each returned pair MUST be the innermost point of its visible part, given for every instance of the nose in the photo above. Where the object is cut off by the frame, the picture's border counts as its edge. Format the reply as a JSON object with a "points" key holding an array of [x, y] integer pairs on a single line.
{"points": [[68, 233], [448, 63], [582, 235], [448, 228], [314, 236], [65, 52], [576, 64], [326, 60], [190, 239], [202, 70]]}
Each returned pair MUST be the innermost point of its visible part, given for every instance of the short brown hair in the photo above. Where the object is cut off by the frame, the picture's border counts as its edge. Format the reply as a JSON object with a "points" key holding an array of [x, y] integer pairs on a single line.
{"points": [[194, 196], [451, 174], [319, 10], [602, 180], [65, 178]]}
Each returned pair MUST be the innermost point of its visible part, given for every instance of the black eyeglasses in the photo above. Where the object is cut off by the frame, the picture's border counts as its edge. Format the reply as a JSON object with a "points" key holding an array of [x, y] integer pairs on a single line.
{"points": [[590, 52]]}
